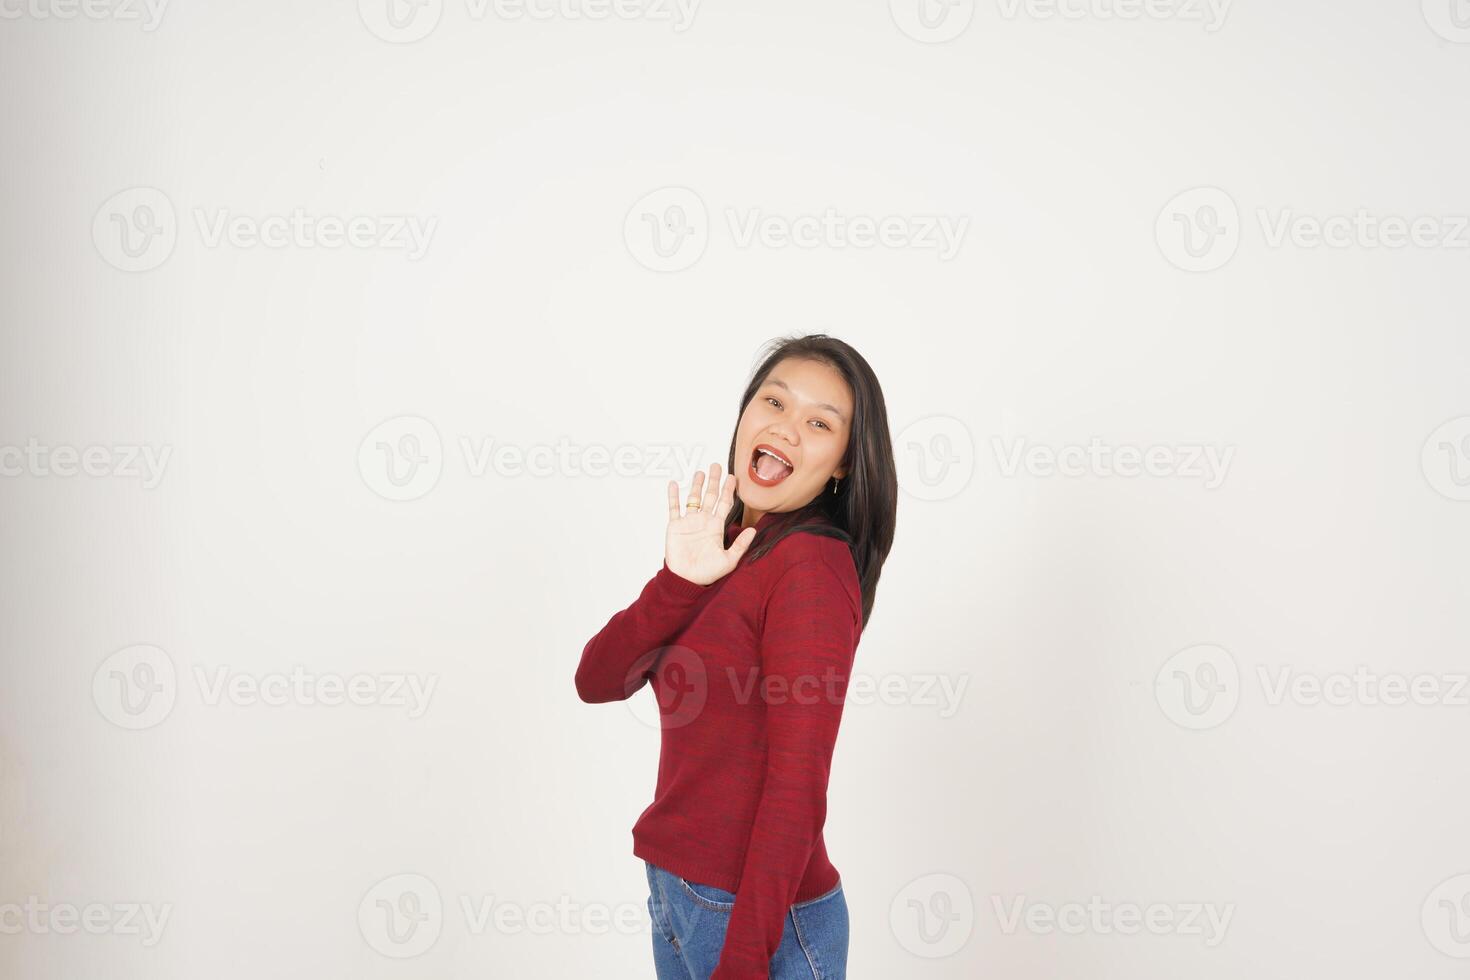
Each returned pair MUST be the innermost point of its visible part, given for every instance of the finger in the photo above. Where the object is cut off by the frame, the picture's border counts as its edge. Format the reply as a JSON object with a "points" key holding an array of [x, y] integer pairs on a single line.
{"points": [[727, 499], [712, 488], [694, 490], [673, 500], [741, 544]]}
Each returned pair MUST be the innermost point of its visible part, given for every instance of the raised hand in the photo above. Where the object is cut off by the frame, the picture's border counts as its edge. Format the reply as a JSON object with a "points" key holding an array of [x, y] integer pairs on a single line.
{"points": [[694, 545]]}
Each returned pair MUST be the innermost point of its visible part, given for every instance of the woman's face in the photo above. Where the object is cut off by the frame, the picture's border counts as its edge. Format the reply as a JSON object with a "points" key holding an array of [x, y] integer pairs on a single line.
{"points": [[802, 414]]}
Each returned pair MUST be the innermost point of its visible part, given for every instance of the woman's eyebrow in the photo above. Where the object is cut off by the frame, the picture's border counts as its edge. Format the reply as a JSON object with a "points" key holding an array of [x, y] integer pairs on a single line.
{"points": [[831, 408]]}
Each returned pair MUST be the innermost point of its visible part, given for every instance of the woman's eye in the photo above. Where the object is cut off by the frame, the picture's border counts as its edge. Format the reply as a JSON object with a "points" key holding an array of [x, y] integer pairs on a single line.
{"points": [[776, 403]]}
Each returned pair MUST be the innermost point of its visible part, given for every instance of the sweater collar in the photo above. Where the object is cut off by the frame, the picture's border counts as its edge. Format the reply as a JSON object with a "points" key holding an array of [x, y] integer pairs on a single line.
{"points": [[733, 530]]}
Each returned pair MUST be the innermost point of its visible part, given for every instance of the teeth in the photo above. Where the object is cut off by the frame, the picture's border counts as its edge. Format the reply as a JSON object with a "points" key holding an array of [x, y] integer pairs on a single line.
{"points": [[778, 459]]}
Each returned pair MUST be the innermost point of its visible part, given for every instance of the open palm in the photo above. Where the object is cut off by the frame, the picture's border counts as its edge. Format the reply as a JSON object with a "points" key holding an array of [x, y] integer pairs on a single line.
{"points": [[694, 545]]}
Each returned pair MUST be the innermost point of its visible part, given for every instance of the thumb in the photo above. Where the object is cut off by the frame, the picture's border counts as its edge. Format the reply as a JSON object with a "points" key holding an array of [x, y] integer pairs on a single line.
{"points": [[741, 543]]}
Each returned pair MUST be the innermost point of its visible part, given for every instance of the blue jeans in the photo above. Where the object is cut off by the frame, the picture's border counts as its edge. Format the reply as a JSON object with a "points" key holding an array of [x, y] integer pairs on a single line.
{"points": [[689, 921]]}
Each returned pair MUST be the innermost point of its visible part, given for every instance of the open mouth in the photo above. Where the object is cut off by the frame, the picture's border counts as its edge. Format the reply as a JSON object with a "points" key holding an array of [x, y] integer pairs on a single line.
{"points": [[769, 467]]}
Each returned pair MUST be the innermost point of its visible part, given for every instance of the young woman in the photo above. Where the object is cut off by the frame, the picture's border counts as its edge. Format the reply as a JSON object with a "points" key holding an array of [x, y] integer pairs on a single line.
{"points": [[747, 636]]}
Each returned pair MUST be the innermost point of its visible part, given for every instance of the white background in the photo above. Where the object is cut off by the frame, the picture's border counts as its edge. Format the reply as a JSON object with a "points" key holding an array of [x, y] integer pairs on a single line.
{"points": [[1073, 764]]}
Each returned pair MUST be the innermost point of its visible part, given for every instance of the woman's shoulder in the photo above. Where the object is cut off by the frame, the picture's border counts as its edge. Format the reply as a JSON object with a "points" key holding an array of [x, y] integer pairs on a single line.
{"points": [[808, 557], [805, 544]]}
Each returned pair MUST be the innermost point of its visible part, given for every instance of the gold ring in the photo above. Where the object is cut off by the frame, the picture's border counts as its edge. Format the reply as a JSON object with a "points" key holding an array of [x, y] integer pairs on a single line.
{"points": [[692, 505]]}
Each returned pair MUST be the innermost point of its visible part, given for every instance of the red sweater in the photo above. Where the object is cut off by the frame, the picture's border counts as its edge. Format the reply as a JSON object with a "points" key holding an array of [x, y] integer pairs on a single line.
{"points": [[750, 673]]}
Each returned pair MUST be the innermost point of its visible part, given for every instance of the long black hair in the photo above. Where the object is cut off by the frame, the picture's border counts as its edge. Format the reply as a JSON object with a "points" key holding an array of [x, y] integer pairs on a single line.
{"points": [[864, 509]]}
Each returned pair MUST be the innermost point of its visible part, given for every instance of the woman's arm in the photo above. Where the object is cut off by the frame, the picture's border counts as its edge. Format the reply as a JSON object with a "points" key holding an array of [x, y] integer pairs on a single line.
{"points": [[808, 642], [619, 659]]}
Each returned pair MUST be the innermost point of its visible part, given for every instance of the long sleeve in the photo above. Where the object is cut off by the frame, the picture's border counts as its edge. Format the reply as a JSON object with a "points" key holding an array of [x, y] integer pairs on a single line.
{"points": [[808, 642], [616, 661]]}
